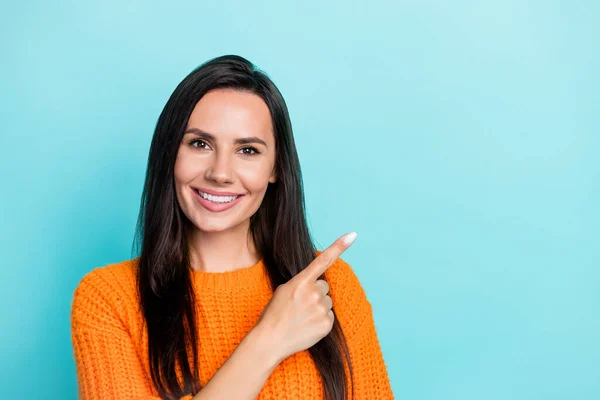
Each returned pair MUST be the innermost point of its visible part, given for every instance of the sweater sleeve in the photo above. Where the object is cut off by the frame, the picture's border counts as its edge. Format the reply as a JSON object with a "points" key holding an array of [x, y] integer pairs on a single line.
{"points": [[371, 380], [355, 314], [106, 361]]}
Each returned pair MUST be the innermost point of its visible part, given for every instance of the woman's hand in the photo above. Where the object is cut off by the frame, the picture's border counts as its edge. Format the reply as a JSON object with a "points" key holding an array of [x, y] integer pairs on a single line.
{"points": [[299, 313]]}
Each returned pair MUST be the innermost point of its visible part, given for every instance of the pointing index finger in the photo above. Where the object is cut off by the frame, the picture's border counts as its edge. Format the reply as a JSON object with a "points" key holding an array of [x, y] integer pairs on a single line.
{"points": [[324, 260]]}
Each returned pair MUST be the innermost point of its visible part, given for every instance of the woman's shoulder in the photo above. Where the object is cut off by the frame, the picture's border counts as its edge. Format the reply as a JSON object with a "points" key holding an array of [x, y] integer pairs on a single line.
{"points": [[342, 274], [110, 286], [349, 298], [109, 277]]}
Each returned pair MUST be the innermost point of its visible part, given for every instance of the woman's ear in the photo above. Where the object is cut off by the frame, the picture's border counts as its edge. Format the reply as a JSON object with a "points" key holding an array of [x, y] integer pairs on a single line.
{"points": [[273, 177]]}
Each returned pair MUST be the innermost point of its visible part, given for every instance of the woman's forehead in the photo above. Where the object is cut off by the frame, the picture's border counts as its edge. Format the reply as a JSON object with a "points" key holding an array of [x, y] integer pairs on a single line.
{"points": [[230, 114]]}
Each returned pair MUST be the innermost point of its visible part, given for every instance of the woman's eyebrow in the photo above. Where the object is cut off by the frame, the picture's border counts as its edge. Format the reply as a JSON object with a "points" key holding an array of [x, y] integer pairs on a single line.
{"points": [[209, 136]]}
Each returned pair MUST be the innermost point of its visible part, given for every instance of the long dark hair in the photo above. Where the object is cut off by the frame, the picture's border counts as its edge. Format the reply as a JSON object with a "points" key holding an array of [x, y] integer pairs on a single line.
{"points": [[279, 230]]}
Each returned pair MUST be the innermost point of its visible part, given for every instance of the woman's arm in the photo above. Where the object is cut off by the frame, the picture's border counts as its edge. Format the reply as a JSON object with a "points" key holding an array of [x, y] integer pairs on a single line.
{"points": [[245, 372], [355, 314], [371, 379]]}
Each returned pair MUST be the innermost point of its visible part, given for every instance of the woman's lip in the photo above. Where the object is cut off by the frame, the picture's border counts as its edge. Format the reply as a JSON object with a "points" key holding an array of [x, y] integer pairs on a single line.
{"points": [[215, 193], [215, 207]]}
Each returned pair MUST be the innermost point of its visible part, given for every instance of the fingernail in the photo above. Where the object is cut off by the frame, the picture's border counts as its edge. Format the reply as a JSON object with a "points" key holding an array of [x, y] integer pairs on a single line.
{"points": [[349, 238]]}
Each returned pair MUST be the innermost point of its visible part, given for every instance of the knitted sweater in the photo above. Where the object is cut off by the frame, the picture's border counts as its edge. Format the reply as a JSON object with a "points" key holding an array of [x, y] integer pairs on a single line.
{"points": [[111, 345]]}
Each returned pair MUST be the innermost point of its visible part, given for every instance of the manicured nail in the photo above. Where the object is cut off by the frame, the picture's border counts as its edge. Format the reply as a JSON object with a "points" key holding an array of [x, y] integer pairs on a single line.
{"points": [[349, 238]]}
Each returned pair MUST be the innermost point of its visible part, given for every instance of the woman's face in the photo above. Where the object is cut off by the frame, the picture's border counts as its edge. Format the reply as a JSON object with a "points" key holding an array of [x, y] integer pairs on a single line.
{"points": [[211, 158]]}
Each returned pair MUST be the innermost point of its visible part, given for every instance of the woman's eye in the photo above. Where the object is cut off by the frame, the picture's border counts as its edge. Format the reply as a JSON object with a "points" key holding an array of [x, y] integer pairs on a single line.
{"points": [[197, 141], [251, 150]]}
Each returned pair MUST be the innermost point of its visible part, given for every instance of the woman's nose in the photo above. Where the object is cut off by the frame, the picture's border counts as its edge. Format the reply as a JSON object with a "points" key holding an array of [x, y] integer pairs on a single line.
{"points": [[220, 170]]}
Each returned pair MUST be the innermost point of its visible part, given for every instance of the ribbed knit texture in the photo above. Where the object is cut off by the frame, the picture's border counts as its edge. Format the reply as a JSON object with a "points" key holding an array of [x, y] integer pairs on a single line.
{"points": [[111, 345]]}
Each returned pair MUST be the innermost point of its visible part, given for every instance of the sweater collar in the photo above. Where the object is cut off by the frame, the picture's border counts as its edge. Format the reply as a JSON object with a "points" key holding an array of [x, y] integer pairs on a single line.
{"points": [[231, 280]]}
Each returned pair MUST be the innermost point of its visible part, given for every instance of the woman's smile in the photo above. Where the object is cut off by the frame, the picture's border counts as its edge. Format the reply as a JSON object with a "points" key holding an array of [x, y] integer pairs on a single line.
{"points": [[216, 203]]}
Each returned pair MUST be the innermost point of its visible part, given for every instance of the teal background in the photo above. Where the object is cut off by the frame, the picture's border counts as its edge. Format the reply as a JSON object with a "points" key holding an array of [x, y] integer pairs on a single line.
{"points": [[459, 139]]}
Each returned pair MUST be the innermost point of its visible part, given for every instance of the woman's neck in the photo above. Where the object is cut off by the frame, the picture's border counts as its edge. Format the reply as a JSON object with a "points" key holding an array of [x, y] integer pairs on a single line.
{"points": [[222, 251]]}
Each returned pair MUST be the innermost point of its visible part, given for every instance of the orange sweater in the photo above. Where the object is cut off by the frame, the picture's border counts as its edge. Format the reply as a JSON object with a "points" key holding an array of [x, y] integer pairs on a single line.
{"points": [[110, 342]]}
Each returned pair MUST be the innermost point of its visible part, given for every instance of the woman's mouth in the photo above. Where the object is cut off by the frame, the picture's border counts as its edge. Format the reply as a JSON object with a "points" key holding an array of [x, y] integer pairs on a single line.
{"points": [[216, 203]]}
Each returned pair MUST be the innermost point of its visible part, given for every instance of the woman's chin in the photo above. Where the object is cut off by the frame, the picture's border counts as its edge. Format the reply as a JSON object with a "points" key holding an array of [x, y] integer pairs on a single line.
{"points": [[214, 225], [213, 228]]}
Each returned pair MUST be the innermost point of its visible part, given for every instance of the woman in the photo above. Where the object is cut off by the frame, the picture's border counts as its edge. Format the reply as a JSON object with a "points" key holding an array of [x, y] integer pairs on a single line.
{"points": [[224, 300]]}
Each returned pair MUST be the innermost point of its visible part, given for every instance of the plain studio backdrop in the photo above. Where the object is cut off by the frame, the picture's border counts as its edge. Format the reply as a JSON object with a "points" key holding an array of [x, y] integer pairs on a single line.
{"points": [[459, 139]]}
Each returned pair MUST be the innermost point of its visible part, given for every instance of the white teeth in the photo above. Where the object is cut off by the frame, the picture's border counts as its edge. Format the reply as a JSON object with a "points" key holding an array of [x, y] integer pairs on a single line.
{"points": [[217, 199]]}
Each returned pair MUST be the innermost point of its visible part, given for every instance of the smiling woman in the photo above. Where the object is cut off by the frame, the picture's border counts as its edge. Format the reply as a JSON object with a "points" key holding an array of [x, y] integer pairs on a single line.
{"points": [[227, 296], [216, 160]]}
